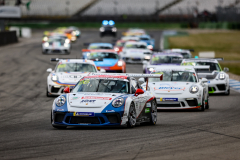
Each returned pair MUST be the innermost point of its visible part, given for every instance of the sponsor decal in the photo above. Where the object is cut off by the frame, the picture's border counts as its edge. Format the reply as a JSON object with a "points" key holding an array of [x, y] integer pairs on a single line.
{"points": [[208, 82], [84, 114], [87, 101], [147, 110], [75, 98], [148, 105], [110, 111], [169, 99], [170, 87], [93, 97], [60, 109]]}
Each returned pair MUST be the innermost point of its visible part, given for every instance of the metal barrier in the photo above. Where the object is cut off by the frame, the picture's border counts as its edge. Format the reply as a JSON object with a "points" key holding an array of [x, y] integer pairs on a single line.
{"points": [[8, 37]]}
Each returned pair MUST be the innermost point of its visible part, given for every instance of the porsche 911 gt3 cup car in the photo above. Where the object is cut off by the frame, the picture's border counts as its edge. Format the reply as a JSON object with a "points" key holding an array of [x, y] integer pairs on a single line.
{"points": [[161, 58], [56, 44], [135, 52], [147, 39], [134, 32], [180, 88], [186, 53], [105, 100], [108, 60], [67, 73], [218, 79]]}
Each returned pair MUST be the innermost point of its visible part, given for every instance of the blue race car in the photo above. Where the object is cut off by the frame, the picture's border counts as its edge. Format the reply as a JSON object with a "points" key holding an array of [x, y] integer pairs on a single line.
{"points": [[161, 58], [147, 39], [105, 100]]}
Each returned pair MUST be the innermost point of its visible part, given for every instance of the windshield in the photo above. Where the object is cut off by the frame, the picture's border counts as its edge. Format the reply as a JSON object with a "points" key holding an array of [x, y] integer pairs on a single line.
{"points": [[165, 59], [101, 85], [99, 47], [142, 46], [186, 55], [144, 38], [182, 76], [120, 44], [75, 67], [213, 66], [58, 40], [100, 55]]}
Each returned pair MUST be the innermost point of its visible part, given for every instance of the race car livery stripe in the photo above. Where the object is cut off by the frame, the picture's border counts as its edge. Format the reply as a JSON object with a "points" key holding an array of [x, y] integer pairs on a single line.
{"points": [[145, 105], [93, 97], [124, 110], [66, 84], [150, 99], [107, 76]]}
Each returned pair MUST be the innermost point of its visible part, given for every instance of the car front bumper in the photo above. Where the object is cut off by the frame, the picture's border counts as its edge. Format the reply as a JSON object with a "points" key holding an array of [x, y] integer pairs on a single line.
{"points": [[217, 86], [57, 89]]}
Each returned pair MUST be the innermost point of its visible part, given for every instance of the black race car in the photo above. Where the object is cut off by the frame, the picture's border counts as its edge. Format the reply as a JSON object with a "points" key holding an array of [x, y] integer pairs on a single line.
{"points": [[108, 28]]}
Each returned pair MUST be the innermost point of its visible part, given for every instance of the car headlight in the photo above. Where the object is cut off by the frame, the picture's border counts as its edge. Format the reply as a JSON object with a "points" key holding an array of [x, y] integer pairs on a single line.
{"points": [[102, 29], [45, 39], [116, 49], [118, 102], [54, 78], [120, 63], [193, 89], [67, 40], [150, 47], [60, 101], [46, 44], [77, 33], [221, 76], [114, 29], [151, 69]]}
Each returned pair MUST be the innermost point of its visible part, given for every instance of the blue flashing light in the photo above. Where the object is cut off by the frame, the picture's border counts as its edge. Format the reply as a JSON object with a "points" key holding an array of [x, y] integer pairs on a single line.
{"points": [[111, 22], [196, 57], [105, 22]]}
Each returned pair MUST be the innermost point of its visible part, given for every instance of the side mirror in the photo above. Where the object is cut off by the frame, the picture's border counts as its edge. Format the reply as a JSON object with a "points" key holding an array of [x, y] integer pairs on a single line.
{"points": [[204, 80], [102, 70], [226, 69], [66, 90], [49, 70], [138, 91], [141, 80]]}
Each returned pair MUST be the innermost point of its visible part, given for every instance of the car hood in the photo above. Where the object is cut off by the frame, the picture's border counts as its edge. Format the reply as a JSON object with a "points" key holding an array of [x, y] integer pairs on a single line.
{"points": [[70, 78], [107, 62], [136, 52], [91, 100], [170, 87]]}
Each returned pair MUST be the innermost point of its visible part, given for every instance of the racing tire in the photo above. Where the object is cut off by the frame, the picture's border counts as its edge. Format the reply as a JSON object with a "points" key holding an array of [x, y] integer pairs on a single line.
{"points": [[207, 105], [153, 118], [202, 108], [227, 93], [132, 117]]}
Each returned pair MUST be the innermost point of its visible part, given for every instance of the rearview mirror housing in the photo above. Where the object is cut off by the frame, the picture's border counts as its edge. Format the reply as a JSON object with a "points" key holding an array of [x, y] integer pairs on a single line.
{"points": [[138, 91], [226, 69], [204, 80], [66, 90]]}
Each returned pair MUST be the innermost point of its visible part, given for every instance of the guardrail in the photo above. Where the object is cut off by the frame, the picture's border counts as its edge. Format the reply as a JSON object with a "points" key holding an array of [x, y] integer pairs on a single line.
{"points": [[8, 37]]}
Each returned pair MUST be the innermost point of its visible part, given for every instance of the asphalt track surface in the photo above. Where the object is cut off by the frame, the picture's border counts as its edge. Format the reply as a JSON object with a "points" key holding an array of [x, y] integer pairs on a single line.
{"points": [[26, 132]]}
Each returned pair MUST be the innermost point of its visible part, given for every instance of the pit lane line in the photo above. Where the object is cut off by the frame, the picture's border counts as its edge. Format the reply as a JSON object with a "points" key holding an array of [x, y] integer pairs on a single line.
{"points": [[235, 85]]}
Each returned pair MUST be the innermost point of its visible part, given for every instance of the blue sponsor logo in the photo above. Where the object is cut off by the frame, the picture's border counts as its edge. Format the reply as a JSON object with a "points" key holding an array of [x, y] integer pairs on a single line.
{"points": [[86, 114], [87, 101], [170, 99], [208, 82], [168, 88]]}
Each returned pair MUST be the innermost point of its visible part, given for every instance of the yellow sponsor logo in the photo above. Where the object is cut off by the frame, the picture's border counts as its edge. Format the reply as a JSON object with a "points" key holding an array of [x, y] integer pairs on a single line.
{"points": [[161, 99]]}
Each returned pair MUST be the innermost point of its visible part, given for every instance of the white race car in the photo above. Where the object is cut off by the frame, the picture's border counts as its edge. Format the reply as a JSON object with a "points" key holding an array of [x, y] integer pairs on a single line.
{"points": [[186, 53], [180, 88], [56, 44], [67, 73], [105, 100], [135, 52], [218, 79]]}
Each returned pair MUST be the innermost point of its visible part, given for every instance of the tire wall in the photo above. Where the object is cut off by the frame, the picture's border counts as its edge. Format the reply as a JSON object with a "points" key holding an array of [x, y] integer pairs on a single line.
{"points": [[8, 37]]}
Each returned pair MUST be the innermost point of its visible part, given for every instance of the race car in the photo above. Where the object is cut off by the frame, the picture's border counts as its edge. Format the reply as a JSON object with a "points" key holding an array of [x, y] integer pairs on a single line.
{"points": [[119, 46], [75, 31], [186, 53], [108, 60], [130, 38], [150, 42], [105, 100], [161, 58], [67, 73], [94, 46], [218, 79], [56, 44], [108, 28], [180, 88], [135, 52]]}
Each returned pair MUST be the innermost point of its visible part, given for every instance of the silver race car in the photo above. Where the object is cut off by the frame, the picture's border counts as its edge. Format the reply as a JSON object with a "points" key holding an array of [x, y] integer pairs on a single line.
{"points": [[218, 79], [56, 44]]}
